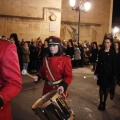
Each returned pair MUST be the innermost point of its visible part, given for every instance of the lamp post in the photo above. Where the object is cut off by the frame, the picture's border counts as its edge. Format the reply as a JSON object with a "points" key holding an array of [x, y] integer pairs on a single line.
{"points": [[115, 31], [80, 8]]}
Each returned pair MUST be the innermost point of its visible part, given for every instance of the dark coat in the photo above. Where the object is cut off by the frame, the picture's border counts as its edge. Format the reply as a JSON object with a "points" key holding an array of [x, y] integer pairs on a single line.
{"points": [[33, 53], [82, 52], [118, 65], [44, 52], [70, 51], [94, 55], [106, 68]]}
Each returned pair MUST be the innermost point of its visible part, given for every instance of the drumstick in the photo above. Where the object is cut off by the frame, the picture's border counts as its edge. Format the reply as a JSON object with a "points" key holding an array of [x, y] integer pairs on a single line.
{"points": [[95, 77], [30, 75], [87, 76], [24, 72]]}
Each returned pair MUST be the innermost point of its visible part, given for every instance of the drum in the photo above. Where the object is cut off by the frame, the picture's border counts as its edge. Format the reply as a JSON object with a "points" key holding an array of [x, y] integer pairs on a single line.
{"points": [[52, 107]]}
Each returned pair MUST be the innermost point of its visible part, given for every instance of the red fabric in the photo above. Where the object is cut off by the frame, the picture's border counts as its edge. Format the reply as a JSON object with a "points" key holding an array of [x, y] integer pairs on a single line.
{"points": [[60, 67], [10, 77]]}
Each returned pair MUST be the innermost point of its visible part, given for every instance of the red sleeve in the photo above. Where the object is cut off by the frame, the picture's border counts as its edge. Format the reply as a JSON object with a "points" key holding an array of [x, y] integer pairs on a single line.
{"points": [[11, 74], [68, 71]]}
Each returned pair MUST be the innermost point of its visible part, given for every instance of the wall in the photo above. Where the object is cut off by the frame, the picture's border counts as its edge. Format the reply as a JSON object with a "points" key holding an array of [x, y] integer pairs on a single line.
{"points": [[93, 24], [29, 18]]}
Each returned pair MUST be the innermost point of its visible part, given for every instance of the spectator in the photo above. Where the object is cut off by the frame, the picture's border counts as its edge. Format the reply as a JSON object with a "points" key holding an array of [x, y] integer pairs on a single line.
{"points": [[77, 55], [14, 39], [94, 54], [25, 55], [33, 57]]}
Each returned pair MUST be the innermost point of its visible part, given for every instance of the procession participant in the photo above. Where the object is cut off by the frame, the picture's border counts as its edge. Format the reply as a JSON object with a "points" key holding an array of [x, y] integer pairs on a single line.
{"points": [[10, 77], [117, 51], [60, 67], [117, 79], [105, 71]]}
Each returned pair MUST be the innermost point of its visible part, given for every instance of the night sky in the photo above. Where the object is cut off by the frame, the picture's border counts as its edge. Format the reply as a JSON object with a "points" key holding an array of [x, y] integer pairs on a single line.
{"points": [[116, 9]]}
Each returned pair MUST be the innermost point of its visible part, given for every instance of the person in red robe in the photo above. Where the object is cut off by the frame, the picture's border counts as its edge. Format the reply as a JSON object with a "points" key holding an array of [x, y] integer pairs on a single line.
{"points": [[60, 67], [10, 77]]}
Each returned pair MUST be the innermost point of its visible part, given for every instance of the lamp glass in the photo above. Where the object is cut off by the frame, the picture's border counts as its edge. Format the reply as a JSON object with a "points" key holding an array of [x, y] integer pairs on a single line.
{"points": [[87, 5], [116, 30], [72, 3]]}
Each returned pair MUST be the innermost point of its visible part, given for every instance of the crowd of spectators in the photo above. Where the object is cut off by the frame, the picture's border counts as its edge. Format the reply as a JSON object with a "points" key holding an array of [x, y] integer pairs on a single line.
{"points": [[31, 53]]}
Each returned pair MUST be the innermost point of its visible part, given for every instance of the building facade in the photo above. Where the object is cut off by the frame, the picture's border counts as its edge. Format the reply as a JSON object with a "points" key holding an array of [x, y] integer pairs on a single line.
{"points": [[93, 24], [31, 19]]}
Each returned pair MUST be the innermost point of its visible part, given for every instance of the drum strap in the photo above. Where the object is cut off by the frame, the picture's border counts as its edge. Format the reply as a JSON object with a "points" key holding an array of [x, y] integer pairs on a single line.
{"points": [[51, 73], [49, 69]]}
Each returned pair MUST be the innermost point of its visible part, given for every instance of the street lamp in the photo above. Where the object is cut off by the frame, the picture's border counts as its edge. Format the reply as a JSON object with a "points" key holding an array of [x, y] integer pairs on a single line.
{"points": [[115, 30], [80, 8]]}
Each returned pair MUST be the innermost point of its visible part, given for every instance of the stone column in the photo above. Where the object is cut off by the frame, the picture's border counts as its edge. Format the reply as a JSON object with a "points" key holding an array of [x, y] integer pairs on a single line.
{"points": [[110, 20]]}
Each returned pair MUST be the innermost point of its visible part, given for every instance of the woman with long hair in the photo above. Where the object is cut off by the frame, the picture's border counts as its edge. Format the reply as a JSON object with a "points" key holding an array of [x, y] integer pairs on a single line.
{"points": [[70, 49], [105, 71]]}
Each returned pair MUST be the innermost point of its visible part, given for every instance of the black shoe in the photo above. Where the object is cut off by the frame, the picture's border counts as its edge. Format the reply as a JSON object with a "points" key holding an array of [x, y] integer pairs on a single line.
{"points": [[103, 106], [100, 106]]}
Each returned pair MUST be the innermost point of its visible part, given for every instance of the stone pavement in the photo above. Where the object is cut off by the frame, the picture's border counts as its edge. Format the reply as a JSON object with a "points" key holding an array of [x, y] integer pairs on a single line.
{"points": [[83, 99]]}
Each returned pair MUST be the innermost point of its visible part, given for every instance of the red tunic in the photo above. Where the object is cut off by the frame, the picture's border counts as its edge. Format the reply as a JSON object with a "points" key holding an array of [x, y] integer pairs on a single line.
{"points": [[10, 77], [60, 67]]}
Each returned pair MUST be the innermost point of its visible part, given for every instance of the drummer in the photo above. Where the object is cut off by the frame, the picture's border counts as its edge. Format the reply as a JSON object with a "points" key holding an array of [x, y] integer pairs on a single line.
{"points": [[56, 69]]}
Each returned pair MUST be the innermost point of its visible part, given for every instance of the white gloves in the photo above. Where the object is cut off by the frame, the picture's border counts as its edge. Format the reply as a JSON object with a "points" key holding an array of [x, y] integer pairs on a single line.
{"points": [[24, 72], [60, 90], [35, 78]]}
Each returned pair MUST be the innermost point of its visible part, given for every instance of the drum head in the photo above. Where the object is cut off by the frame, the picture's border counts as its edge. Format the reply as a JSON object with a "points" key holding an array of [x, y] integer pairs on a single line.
{"points": [[45, 100]]}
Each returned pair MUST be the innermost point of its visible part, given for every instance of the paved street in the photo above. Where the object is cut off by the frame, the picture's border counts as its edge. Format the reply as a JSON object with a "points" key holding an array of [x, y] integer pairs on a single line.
{"points": [[83, 98]]}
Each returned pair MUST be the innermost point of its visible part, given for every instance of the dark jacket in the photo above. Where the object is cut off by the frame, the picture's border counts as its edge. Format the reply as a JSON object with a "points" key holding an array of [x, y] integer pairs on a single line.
{"points": [[106, 68], [33, 53], [94, 55], [118, 65], [70, 51]]}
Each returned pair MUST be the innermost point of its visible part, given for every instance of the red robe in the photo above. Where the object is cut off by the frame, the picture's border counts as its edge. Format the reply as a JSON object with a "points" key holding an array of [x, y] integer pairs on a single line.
{"points": [[10, 77], [60, 67]]}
